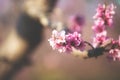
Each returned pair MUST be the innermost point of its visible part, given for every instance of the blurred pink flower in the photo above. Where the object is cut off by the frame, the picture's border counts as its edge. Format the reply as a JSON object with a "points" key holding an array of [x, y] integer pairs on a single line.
{"points": [[99, 26], [76, 23], [99, 22], [119, 41], [109, 14], [98, 29], [106, 13], [100, 38], [100, 10], [110, 11], [114, 54], [116, 42]]}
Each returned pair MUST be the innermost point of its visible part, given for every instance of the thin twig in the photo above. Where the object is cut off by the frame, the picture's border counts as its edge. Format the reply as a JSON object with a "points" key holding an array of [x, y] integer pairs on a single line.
{"points": [[89, 44]]}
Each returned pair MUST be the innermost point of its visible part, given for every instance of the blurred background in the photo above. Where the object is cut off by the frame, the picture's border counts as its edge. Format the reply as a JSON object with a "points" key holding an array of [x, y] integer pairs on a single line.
{"points": [[45, 63]]}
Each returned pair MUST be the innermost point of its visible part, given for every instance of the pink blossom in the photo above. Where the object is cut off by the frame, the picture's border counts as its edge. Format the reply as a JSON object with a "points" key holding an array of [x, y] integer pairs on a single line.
{"points": [[75, 41], [110, 22], [109, 14], [99, 38], [57, 40], [100, 10], [99, 22], [114, 54], [98, 26], [116, 42], [106, 13], [98, 29], [110, 11]]}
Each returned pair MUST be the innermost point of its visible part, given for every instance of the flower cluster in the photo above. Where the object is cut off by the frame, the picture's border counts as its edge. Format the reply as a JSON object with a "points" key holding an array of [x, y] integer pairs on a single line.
{"points": [[101, 42], [65, 43], [114, 52], [103, 18], [105, 14]]}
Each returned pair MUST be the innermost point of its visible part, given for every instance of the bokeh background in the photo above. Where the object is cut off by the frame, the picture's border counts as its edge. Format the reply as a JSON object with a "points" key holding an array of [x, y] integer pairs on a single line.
{"points": [[47, 64]]}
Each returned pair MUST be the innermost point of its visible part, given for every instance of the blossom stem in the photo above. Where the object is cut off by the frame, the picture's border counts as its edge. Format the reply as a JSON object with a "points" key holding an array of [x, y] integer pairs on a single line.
{"points": [[89, 44]]}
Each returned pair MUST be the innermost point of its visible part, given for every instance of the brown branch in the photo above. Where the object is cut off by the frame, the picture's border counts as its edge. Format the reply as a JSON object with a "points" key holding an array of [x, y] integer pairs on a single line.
{"points": [[94, 52]]}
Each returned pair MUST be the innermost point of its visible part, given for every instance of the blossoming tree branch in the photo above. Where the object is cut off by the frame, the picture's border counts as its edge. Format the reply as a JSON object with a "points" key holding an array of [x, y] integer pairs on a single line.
{"points": [[70, 41]]}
